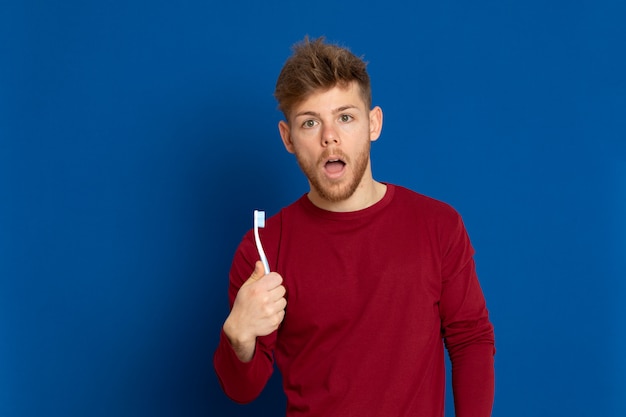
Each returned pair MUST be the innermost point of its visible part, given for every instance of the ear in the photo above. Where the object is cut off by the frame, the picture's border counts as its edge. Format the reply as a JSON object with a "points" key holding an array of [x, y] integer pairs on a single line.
{"points": [[285, 134], [376, 123]]}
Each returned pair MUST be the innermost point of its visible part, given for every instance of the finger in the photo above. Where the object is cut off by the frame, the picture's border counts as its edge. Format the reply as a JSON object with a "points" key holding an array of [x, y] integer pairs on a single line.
{"points": [[280, 317], [272, 282], [278, 292], [281, 304], [259, 271], [257, 274]]}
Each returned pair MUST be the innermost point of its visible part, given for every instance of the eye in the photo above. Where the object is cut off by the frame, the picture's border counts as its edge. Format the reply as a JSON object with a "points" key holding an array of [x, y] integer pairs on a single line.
{"points": [[345, 118], [309, 124]]}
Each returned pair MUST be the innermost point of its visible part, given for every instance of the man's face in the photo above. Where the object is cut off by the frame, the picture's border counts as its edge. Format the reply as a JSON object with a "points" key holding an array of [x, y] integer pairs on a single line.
{"points": [[330, 134]]}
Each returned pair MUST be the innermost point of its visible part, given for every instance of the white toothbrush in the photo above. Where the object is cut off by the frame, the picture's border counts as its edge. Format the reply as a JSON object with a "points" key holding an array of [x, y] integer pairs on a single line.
{"points": [[259, 221]]}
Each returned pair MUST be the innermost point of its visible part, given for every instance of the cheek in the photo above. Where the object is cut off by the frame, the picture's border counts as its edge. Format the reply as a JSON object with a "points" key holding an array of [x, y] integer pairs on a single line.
{"points": [[356, 130], [303, 154], [305, 143], [304, 139]]}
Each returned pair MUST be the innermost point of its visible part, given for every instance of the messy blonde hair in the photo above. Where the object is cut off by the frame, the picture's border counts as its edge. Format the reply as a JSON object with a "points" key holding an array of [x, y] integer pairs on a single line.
{"points": [[319, 66]]}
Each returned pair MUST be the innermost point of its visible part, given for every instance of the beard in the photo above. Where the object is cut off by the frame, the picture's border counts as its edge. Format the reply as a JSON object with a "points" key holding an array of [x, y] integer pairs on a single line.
{"points": [[335, 191]]}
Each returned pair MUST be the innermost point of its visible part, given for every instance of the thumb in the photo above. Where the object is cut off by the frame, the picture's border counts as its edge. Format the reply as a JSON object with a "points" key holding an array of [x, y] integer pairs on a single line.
{"points": [[258, 273]]}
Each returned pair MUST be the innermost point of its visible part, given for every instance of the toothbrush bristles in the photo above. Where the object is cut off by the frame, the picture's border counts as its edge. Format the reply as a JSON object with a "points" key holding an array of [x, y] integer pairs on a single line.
{"points": [[260, 218], [259, 222]]}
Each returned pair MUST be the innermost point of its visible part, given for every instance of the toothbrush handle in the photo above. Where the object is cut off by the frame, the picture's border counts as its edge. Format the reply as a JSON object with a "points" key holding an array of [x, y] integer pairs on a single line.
{"points": [[266, 265], [259, 248]]}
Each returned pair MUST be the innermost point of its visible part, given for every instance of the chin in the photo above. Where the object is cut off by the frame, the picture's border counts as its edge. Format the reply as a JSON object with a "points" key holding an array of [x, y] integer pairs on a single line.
{"points": [[335, 193]]}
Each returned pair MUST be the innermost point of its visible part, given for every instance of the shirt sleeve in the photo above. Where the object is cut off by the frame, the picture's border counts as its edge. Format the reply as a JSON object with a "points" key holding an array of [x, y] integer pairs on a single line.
{"points": [[467, 330], [243, 381]]}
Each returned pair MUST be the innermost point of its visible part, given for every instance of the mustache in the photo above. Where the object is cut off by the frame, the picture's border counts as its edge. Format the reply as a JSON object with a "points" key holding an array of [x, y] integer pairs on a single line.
{"points": [[335, 154]]}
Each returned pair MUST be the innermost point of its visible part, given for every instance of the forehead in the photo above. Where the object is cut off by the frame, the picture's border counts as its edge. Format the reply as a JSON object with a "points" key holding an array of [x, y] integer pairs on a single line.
{"points": [[328, 100]]}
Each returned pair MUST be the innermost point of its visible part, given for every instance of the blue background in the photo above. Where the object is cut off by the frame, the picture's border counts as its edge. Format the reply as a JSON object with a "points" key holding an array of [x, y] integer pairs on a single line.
{"points": [[136, 138]]}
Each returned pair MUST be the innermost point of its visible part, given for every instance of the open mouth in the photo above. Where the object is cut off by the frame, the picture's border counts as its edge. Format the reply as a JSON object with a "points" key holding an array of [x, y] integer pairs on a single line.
{"points": [[334, 166]]}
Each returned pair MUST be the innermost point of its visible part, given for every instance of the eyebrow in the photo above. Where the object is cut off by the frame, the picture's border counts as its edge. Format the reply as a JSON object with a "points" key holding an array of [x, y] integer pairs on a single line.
{"points": [[335, 111]]}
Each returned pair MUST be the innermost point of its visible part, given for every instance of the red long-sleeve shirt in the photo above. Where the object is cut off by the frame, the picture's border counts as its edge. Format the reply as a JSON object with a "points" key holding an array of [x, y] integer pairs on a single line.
{"points": [[372, 296]]}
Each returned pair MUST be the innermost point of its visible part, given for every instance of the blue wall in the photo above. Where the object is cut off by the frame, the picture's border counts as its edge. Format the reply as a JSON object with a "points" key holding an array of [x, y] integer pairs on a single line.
{"points": [[136, 138]]}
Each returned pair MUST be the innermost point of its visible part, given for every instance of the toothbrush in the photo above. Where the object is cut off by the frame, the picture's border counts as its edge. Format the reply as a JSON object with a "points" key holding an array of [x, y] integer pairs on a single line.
{"points": [[259, 221]]}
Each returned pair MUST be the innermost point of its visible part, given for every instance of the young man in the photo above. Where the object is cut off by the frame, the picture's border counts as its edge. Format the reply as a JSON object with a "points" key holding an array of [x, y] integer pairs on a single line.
{"points": [[368, 279]]}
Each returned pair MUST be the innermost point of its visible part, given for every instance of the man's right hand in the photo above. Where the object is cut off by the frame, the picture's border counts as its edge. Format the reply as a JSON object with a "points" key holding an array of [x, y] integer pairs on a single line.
{"points": [[258, 310]]}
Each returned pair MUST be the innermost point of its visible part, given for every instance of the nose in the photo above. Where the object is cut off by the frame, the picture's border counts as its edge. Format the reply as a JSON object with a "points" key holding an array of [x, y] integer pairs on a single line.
{"points": [[329, 136]]}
